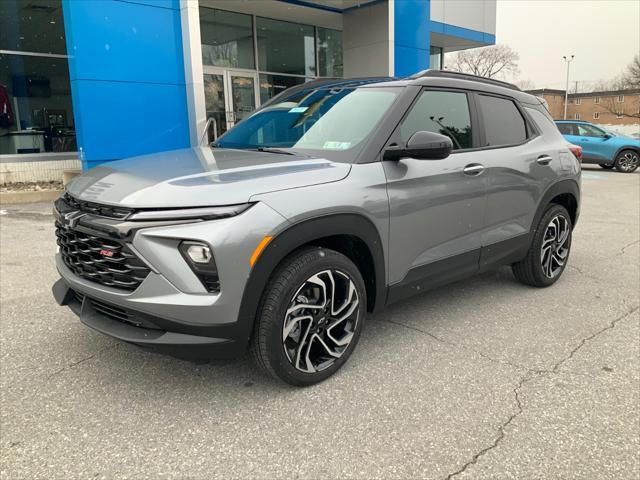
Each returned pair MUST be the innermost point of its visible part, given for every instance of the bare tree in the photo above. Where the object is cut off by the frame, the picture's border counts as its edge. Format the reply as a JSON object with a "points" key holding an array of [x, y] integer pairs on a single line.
{"points": [[496, 61], [525, 84], [632, 74]]}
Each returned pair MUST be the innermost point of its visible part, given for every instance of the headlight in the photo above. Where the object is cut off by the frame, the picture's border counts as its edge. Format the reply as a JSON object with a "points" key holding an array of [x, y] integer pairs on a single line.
{"points": [[204, 213], [200, 258]]}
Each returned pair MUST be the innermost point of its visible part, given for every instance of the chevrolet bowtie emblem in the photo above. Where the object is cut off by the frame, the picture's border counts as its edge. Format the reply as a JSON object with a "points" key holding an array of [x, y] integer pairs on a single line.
{"points": [[70, 219]]}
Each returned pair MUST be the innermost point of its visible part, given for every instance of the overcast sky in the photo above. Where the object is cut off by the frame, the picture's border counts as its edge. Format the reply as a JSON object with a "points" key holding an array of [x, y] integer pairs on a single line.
{"points": [[604, 35]]}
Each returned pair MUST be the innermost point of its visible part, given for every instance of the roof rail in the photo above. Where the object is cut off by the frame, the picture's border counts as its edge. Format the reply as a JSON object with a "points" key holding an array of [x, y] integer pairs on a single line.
{"points": [[462, 76]]}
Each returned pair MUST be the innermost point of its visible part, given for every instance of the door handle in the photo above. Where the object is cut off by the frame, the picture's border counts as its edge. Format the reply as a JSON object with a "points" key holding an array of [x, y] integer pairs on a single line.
{"points": [[473, 169], [544, 160]]}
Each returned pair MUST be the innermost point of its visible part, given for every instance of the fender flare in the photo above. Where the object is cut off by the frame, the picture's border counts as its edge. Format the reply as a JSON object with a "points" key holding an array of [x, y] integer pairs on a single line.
{"points": [[560, 187], [301, 234], [623, 148]]}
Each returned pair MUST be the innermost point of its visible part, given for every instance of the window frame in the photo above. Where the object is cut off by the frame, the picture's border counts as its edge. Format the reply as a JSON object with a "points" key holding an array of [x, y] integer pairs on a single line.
{"points": [[576, 116], [578, 101], [596, 115], [531, 129], [620, 99], [395, 137], [596, 100]]}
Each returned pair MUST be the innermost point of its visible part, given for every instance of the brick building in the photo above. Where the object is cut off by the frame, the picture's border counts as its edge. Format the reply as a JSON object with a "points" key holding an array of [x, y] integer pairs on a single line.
{"points": [[607, 108]]}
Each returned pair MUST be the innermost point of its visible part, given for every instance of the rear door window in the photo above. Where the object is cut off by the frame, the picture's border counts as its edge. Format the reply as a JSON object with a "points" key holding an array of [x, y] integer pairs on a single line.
{"points": [[441, 112], [503, 122], [567, 128]]}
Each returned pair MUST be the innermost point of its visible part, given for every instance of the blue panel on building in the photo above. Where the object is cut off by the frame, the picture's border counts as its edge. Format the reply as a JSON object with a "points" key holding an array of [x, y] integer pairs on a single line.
{"points": [[411, 32], [460, 32], [127, 77], [127, 119]]}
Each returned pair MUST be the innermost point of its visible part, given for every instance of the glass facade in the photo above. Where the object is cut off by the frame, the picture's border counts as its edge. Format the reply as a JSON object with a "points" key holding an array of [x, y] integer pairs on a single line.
{"points": [[249, 59], [436, 58], [330, 61], [36, 114], [286, 47], [227, 39]]}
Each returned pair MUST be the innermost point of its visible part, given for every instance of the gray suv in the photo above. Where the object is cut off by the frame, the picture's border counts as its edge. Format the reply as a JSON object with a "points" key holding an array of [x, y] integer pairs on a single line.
{"points": [[332, 200]]}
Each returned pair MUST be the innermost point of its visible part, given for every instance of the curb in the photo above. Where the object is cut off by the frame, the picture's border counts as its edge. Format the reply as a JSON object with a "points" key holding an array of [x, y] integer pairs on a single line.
{"points": [[29, 197]]}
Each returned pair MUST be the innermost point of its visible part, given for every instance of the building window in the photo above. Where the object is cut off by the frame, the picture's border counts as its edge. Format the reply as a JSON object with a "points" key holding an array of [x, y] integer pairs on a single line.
{"points": [[329, 43], [578, 101], [227, 39], [285, 47], [596, 100], [576, 116], [620, 99], [36, 113], [619, 114], [436, 58], [596, 115]]}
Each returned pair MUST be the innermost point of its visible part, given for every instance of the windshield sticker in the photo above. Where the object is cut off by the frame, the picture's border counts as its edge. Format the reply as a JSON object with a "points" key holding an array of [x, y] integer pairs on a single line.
{"points": [[336, 145], [298, 110]]}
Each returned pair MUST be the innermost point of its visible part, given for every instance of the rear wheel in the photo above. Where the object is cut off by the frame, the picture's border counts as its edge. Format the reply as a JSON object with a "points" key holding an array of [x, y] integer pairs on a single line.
{"points": [[627, 161], [606, 167], [549, 251], [310, 317]]}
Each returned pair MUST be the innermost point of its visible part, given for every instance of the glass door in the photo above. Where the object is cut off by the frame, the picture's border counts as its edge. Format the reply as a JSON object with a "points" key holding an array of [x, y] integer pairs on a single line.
{"points": [[230, 96]]}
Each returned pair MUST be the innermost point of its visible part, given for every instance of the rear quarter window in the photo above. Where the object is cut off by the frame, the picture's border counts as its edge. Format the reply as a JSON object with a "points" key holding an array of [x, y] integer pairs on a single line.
{"points": [[503, 122]]}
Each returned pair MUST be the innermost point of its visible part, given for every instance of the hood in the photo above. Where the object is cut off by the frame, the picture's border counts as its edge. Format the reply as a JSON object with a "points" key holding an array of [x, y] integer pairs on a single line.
{"points": [[201, 177]]}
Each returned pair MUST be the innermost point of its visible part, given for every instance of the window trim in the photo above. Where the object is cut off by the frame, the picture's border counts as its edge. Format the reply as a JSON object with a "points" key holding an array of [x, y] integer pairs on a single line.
{"points": [[530, 126], [596, 100], [620, 99], [578, 101], [596, 115], [576, 116]]}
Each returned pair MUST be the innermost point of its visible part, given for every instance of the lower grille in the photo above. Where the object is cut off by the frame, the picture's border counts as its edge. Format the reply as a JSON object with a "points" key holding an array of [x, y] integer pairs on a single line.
{"points": [[105, 261], [115, 312]]}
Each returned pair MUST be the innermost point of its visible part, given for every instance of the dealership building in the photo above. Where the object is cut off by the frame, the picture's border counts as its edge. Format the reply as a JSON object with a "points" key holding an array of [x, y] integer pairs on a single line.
{"points": [[89, 81]]}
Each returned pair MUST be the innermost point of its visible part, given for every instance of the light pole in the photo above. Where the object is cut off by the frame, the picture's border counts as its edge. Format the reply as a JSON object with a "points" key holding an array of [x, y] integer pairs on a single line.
{"points": [[566, 90]]}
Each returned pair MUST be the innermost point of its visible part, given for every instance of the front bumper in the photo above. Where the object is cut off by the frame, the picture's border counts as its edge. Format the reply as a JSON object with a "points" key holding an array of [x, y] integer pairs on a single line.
{"points": [[143, 330], [172, 311]]}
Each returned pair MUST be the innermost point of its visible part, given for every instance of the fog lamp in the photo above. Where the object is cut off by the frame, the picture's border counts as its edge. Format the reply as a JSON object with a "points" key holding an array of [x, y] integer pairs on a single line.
{"points": [[200, 258], [199, 253]]}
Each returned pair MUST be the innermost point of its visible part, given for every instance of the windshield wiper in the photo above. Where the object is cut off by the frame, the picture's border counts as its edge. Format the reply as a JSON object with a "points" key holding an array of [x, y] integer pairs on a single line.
{"points": [[271, 150]]}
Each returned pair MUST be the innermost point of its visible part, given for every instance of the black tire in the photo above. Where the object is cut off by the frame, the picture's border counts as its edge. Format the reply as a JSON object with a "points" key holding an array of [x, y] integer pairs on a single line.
{"points": [[627, 161], [606, 167], [284, 290], [530, 270]]}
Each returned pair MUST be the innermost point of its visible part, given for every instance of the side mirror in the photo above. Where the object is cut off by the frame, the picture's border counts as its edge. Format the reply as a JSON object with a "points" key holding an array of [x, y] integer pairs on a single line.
{"points": [[606, 136], [422, 145]]}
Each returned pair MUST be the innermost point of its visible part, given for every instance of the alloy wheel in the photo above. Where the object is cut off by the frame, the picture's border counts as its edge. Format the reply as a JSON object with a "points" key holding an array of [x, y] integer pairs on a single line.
{"points": [[628, 161], [555, 246], [320, 321]]}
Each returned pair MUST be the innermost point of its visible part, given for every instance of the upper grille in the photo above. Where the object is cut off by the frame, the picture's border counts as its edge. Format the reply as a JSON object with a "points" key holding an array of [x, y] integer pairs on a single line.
{"points": [[106, 261], [96, 208]]}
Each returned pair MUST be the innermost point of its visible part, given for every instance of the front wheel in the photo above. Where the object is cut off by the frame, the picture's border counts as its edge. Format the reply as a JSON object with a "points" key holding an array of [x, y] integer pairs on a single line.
{"points": [[310, 317], [549, 251], [627, 161]]}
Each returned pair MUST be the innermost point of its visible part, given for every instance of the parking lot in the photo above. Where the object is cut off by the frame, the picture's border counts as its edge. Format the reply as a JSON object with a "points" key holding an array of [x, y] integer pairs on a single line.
{"points": [[484, 378]]}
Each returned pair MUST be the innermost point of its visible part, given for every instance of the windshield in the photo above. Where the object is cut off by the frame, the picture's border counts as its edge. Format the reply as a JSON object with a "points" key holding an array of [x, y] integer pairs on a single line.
{"points": [[330, 120]]}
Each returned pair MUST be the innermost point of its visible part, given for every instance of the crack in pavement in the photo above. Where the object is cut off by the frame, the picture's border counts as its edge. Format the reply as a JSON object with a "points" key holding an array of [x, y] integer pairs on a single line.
{"points": [[526, 378], [622, 250], [530, 374], [68, 366]]}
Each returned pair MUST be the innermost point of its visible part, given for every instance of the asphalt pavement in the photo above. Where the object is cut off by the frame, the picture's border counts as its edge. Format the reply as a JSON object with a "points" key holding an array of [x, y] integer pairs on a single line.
{"points": [[482, 379]]}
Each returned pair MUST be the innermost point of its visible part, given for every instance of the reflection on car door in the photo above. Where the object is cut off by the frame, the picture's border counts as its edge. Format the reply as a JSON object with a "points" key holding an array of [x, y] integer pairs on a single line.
{"points": [[436, 209]]}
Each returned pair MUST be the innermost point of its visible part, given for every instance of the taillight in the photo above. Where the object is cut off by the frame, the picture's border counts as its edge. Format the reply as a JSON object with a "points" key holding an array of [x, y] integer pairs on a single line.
{"points": [[577, 152]]}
